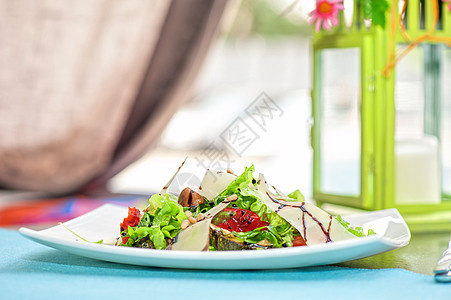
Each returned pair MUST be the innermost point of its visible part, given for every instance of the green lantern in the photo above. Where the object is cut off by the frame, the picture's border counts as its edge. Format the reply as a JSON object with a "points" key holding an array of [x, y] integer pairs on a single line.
{"points": [[381, 132]]}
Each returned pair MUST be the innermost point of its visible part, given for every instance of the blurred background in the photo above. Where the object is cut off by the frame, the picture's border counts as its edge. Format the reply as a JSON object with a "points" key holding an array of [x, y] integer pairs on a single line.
{"points": [[263, 47], [102, 102]]}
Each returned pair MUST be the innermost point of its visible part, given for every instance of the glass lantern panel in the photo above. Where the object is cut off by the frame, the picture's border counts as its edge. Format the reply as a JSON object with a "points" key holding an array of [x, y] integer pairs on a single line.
{"points": [[340, 126], [409, 96], [417, 167], [445, 128]]}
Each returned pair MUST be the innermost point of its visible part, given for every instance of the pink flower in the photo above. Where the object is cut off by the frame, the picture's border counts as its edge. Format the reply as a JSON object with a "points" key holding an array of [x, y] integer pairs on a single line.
{"points": [[449, 4], [326, 13]]}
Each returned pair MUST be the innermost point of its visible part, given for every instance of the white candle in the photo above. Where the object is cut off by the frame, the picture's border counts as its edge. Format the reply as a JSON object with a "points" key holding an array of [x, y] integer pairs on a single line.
{"points": [[417, 171]]}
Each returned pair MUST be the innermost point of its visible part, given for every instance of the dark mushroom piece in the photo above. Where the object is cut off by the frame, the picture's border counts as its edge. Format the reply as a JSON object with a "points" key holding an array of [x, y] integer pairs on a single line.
{"points": [[189, 198]]}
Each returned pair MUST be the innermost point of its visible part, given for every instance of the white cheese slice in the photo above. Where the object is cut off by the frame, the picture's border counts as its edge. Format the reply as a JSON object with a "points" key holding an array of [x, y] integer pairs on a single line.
{"points": [[314, 224], [214, 182]]}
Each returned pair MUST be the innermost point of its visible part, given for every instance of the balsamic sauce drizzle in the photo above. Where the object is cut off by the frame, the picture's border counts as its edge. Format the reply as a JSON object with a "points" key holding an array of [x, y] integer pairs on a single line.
{"points": [[330, 223], [304, 211], [279, 208]]}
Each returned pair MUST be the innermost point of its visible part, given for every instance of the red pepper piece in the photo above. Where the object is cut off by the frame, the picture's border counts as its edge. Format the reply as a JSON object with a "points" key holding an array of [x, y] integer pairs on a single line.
{"points": [[133, 218], [242, 220], [298, 241]]}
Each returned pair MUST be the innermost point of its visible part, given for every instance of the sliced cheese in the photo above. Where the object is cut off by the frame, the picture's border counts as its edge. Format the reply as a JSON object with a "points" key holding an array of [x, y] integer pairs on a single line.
{"points": [[214, 182], [314, 224], [196, 237]]}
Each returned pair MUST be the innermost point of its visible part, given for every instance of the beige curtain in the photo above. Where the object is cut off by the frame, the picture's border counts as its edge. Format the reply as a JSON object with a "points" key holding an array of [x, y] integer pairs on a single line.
{"points": [[86, 88]]}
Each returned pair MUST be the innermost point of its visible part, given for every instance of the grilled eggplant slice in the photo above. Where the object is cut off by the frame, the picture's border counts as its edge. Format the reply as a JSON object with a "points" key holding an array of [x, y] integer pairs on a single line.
{"points": [[145, 243], [222, 239]]}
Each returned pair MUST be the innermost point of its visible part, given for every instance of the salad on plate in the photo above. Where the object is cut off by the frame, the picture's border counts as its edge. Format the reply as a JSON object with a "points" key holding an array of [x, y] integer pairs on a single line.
{"points": [[231, 212]]}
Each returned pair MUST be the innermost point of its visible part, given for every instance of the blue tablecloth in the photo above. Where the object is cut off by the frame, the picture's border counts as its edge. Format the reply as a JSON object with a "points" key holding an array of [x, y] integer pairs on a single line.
{"points": [[32, 271]]}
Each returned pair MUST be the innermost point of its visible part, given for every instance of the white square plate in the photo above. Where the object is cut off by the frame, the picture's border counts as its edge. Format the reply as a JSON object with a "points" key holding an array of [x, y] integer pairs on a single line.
{"points": [[103, 223]]}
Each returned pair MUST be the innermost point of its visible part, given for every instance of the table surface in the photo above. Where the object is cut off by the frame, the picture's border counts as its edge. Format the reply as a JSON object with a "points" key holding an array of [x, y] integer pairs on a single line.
{"points": [[32, 271], [420, 256]]}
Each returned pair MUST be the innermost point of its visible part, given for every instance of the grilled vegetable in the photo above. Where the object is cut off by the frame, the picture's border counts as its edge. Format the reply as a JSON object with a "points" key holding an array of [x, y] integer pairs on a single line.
{"points": [[221, 239]]}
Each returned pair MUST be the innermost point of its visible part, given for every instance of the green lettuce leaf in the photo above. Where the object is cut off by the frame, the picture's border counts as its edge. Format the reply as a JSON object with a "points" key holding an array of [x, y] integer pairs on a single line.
{"points": [[279, 236], [357, 231], [237, 186], [296, 196], [162, 220], [157, 201]]}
